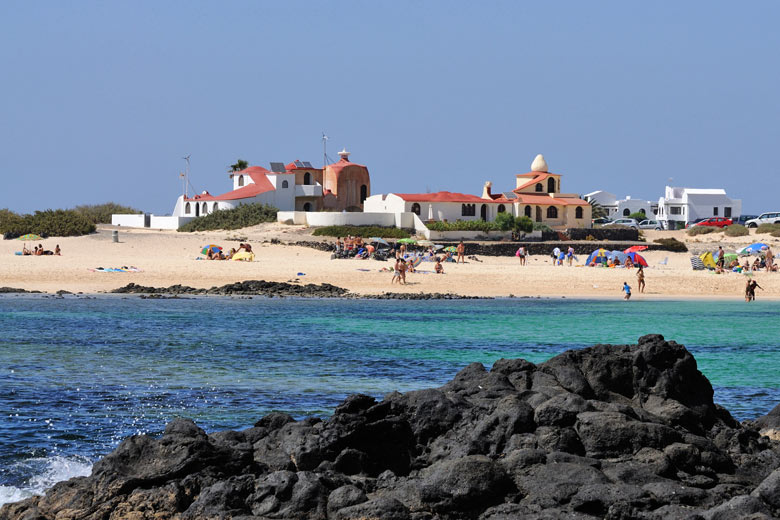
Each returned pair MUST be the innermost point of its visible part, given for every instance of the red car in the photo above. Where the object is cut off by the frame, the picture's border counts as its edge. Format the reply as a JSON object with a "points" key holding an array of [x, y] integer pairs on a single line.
{"points": [[720, 222]]}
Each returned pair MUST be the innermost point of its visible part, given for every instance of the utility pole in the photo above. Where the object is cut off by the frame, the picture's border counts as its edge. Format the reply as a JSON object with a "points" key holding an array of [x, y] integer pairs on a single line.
{"points": [[324, 150], [186, 174]]}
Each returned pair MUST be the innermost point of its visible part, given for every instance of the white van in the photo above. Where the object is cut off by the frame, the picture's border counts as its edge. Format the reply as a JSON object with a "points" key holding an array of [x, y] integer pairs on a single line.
{"points": [[764, 218]]}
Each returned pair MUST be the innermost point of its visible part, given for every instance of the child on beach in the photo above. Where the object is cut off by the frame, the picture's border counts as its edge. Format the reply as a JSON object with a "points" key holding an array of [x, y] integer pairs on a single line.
{"points": [[402, 271], [627, 290], [396, 272], [439, 269]]}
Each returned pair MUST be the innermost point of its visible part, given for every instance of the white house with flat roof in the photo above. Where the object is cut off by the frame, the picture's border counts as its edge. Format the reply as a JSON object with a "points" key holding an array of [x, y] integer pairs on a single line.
{"points": [[681, 206], [619, 208]]}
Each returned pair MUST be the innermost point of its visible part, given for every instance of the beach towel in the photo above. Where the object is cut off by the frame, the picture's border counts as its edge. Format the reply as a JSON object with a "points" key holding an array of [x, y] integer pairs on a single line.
{"points": [[244, 256], [123, 269]]}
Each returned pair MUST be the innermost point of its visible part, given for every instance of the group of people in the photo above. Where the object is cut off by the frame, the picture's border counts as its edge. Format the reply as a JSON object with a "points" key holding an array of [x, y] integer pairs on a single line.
{"points": [[40, 251], [217, 254]]}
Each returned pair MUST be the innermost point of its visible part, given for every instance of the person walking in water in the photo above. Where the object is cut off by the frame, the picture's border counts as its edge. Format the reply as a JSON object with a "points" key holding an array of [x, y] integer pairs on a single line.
{"points": [[750, 290], [461, 253], [640, 279], [627, 290]]}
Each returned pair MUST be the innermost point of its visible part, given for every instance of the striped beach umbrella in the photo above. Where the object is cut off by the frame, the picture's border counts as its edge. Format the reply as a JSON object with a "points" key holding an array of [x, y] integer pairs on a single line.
{"points": [[30, 237]]}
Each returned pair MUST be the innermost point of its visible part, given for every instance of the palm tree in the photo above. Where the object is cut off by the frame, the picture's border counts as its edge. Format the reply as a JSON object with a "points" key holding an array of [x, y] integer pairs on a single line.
{"points": [[597, 210], [240, 165]]}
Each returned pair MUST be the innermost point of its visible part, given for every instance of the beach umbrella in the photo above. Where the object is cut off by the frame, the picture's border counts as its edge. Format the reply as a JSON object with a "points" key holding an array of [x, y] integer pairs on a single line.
{"points": [[451, 249], [437, 247], [598, 256], [424, 243], [407, 241], [729, 257], [635, 249], [30, 237], [753, 249], [636, 258], [379, 241], [619, 256], [211, 247]]}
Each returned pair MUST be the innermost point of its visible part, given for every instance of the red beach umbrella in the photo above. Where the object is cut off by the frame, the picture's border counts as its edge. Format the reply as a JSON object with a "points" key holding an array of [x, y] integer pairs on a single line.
{"points": [[635, 249]]}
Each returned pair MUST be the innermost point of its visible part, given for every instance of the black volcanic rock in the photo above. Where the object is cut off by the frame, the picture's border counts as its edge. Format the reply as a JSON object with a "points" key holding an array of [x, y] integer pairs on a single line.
{"points": [[616, 432]]}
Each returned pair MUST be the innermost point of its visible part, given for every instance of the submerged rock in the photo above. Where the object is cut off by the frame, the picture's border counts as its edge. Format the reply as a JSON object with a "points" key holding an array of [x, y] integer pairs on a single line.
{"points": [[628, 431]]}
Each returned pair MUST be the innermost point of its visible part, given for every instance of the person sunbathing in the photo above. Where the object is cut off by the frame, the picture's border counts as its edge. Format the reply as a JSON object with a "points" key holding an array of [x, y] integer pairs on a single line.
{"points": [[57, 250], [628, 263], [39, 250], [439, 268], [25, 251]]}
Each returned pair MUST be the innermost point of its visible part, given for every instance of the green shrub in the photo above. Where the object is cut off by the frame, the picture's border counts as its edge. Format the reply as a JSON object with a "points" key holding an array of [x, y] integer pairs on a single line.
{"points": [[463, 225], [243, 216], [361, 231], [701, 230], [776, 233], [736, 230], [638, 216], [48, 223], [541, 226], [524, 224], [768, 228], [101, 213], [671, 244], [505, 221]]}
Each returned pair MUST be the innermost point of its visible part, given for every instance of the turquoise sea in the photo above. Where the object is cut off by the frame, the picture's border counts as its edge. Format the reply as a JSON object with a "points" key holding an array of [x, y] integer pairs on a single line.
{"points": [[78, 374]]}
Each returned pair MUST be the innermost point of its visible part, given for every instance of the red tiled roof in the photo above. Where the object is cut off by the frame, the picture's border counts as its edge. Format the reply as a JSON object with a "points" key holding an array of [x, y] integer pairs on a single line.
{"points": [[534, 178], [446, 196], [261, 185], [341, 164]]}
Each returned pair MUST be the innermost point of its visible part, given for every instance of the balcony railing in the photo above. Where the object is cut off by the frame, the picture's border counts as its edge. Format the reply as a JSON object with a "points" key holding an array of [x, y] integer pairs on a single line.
{"points": [[310, 190]]}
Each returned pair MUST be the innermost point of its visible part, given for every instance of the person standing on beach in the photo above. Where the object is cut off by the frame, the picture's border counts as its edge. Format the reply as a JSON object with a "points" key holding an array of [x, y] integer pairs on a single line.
{"points": [[627, 290], [750, 290], [521, 254], [770, 260], [461, 253], [640, 279], [396, 272], [402, 271]]}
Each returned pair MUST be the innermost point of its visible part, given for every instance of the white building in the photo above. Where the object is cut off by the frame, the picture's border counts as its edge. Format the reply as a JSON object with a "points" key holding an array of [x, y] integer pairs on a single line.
{"points": [[537, 195], [681, 206], [619, 208]]}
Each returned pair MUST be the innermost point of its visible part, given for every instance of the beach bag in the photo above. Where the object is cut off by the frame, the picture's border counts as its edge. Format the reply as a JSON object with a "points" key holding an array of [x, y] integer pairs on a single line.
{"points": [[517, 253]]}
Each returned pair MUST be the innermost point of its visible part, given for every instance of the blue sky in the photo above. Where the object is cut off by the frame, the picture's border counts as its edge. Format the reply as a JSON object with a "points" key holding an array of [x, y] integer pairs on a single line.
{"points": [[100, 100]]}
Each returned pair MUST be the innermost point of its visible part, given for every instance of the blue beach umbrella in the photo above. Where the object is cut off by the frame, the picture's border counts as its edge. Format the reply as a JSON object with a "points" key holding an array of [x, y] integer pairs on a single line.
{"points": [[599, 256], [753, 249]]}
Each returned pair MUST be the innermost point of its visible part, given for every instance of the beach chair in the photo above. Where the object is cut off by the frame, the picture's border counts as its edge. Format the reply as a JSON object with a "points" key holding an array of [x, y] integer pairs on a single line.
{"points": [[665, 261], [697, 264]]}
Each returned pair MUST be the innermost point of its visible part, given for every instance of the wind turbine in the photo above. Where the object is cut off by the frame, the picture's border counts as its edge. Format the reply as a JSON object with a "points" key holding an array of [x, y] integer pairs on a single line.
{"points": [[186, 173], [324, 150]]}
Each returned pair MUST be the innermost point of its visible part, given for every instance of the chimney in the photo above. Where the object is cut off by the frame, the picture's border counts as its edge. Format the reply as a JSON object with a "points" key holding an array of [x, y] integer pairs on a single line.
{"points": [[344, 154], [486, 191]]}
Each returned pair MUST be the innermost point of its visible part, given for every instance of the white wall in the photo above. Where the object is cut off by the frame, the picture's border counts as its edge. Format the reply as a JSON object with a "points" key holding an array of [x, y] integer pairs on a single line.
{"points": [[160, 222], [127, 220]]}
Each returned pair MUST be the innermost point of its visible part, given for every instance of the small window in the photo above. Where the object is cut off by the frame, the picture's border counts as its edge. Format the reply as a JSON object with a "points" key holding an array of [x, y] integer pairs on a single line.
{"points": [[528, 211], [674, 210], [285, 184], [626, 212], [727, 212], [205, 208], [307, 178], [552, 212], [187, 209], [539, 187], [501, 208], [551, 185], [642, 211], [214, 207], [578, 212], [240, 180], [464, 210], [307, 206], [715, 211], [363, 193], [416, 209]]}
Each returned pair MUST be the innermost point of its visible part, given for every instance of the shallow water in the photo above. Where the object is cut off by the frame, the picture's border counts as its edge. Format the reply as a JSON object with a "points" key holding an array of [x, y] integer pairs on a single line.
{"points": [[78, 375]]}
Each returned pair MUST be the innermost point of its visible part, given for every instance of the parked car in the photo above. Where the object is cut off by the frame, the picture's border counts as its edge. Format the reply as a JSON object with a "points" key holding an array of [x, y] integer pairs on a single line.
{"points": [[601, 221], [720, 222], [764, 218], [742, 219], [650, 224], [693, 223], [627, 222]]}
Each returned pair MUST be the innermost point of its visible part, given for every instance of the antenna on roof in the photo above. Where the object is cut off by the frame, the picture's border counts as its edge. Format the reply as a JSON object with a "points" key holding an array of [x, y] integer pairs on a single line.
{"points": [[186, 173], [324, 150]]}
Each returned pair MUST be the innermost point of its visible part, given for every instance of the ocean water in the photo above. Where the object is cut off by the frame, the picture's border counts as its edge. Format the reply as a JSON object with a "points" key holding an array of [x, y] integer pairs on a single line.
{"points": [[78, 375]]}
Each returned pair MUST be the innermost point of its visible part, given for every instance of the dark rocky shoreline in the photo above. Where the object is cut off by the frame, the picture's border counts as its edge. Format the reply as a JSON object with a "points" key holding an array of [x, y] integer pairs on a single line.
{"points": [[282, 290], [617, 432]]}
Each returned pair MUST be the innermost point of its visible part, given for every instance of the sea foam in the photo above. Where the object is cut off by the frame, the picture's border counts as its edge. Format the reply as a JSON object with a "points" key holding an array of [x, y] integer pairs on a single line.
{"points": [[45, 472]]}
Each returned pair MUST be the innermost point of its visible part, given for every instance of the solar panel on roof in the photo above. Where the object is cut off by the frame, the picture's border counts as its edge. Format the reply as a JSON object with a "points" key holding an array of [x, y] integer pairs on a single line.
{"points": [[299, 164], [307, 164], [510, 195], [278, 167]]}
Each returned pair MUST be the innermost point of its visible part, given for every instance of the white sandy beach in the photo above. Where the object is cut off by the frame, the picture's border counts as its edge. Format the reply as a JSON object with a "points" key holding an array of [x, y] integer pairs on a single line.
{"points": [[168, 258]]}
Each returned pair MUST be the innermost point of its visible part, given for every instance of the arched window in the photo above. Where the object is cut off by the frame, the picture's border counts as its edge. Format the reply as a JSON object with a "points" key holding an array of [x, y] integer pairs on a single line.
{"points": [[363, 193], [626, 212], [552, 212], [578, 212], [307, 206], [285, 184], [416, 208], [214, 207], [307, 178], [205, 208], [642, 211], [501, 208], [240, 180], [483, 212], [551, 185], [187, 209], [539, 187], [528, 211]]}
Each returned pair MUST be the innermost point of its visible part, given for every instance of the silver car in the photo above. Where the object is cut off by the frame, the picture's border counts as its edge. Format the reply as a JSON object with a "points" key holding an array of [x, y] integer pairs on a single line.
{"points": [[627, 222], [650, 224], [764, 218]]}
